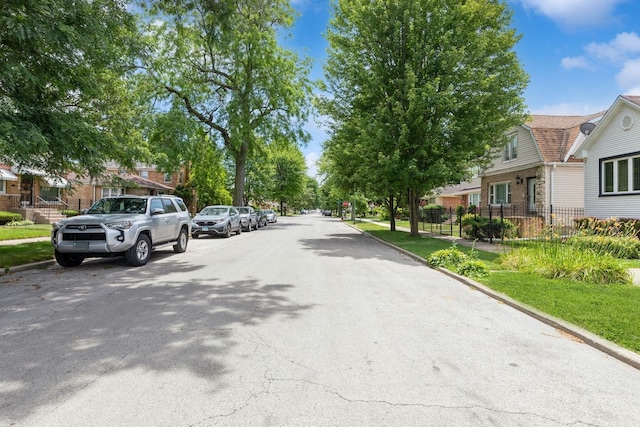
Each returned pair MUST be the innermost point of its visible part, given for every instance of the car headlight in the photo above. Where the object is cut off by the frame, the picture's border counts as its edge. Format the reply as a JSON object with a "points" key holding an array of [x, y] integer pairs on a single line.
{"points": [[120, 225]]}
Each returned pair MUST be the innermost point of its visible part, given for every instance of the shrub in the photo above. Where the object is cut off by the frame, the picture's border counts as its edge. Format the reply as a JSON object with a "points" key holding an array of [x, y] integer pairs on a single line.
{"points": [[460, 211], [618, 247], [608, 227], [459, 262], [433, 214], [472, 268], [472, 209], [559, 260], [480, 228], [6, 217], [70, 212], [447, 258], [19, 223]]}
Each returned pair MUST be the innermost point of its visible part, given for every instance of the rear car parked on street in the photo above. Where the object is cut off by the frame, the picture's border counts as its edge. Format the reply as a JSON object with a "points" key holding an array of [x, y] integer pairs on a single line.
{"points": [[129, 226], [248, 218], [218, 220], [271, 215]]}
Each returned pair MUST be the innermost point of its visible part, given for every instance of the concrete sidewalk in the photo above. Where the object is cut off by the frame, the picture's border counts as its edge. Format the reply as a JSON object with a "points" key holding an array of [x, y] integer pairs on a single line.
{"points": [[19, 241]]}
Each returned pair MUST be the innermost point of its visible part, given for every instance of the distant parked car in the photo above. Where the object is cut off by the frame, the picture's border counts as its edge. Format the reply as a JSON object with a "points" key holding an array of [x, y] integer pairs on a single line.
{"points": [[216, 221], [248, 218], [326, 212], [262, 218], [271, 215]]}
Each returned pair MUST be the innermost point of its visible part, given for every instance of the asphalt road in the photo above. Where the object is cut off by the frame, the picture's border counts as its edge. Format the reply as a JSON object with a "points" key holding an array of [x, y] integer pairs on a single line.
{"points": [[305, 322]]}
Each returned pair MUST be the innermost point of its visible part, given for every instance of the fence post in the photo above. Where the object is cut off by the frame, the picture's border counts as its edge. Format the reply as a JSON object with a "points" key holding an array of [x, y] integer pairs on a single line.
{"points": [[502, 223], [490, 225], [451, 220]]}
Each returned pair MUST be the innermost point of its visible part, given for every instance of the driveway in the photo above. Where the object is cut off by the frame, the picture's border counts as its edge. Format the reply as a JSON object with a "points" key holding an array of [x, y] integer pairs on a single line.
{"points": [[304, 322]]}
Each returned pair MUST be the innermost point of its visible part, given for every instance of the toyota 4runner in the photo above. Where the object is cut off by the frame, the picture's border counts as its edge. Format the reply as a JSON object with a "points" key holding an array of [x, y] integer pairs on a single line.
{"points": [[130, 226]]}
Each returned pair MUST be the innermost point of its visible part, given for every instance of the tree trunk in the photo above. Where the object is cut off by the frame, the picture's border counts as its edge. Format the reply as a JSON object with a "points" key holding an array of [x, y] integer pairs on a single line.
{"points": [[414, 217], [241, 166], [392, 213]]}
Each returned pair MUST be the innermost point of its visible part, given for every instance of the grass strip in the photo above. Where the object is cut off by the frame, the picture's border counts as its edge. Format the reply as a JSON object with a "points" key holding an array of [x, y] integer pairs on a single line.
{"points": [[25, 253]]}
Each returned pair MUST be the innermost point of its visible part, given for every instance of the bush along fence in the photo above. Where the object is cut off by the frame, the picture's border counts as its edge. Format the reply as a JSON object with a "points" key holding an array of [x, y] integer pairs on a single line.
{"points": [[502, 222]]}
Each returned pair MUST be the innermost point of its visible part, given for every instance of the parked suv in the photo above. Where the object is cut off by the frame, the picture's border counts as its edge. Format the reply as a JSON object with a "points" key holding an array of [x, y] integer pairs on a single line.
{"points": [[248, 218], [130, 226]]}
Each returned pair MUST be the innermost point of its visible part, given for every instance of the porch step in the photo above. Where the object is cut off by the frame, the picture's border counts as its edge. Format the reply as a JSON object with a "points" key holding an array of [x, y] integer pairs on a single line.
{"points": [[42, 216]]}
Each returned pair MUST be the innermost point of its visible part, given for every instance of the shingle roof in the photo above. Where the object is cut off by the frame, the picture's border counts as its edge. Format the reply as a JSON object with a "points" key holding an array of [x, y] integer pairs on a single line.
{"points": [[634, 99], [556, 134], [137, 180]]}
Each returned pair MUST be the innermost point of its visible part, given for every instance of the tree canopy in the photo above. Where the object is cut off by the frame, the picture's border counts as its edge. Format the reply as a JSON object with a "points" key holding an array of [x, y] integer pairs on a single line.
{"points": [[65, 101], [221, 60], [421, 91]]}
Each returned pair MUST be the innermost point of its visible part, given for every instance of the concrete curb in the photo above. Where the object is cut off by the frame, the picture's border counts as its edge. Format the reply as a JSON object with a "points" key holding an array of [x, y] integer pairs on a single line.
{"points": [[23, 267], [612, 349]]}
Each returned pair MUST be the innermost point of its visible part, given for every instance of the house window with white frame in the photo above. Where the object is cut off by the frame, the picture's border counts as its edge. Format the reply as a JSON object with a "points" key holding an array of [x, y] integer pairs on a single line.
{"points": [[511, 149], [620, 175], [500, 193], [167, 177], [112, 192], [474, 199], [144, 174], [3, 187]]}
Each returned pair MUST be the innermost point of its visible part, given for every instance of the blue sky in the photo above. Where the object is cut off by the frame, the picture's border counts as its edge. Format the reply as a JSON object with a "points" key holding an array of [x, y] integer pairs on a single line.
{"points": [[579, 54]]}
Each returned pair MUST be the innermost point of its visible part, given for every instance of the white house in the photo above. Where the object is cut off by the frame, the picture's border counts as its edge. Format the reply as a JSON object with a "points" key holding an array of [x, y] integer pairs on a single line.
{"points": [[611, 154]]}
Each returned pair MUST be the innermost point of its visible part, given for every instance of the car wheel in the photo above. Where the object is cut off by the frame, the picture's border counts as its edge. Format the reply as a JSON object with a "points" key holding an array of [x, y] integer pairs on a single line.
{"points": [[194, 236], [139, 253], [249, 228], [68, 260], [181, 246], [239, 230], [227, 233]]}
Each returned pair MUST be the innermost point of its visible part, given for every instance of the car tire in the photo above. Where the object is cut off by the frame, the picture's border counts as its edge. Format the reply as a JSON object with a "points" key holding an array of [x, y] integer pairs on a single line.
{"points": [[183, 239], [249, 228], [139, 254], [227, 233], [194, 236], [239, 230], [68, 260]]}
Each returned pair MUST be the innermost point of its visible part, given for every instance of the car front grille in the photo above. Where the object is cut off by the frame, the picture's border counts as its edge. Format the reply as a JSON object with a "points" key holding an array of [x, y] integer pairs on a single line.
{"points": [[205, 223], [77, 237]]}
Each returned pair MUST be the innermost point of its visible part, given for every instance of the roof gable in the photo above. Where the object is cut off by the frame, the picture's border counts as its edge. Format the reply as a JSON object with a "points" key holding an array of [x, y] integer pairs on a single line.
{"points": [[620, 102], [555, 135]]}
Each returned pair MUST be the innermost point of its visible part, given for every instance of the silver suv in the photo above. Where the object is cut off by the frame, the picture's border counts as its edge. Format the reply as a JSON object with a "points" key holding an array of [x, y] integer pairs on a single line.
{"points": [[130, 226]]}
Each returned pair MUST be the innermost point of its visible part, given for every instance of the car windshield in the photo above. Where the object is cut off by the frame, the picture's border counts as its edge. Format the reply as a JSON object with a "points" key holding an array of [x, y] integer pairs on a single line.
{"points": [[214, 210], [268, 211], [243, 210], [119, 205]]}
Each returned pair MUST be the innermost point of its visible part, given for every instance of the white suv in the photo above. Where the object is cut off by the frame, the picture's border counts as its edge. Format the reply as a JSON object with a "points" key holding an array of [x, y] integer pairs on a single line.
{"points": [[130, 226]]}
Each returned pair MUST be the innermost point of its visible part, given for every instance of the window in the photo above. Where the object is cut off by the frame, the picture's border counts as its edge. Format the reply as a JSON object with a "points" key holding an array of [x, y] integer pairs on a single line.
{"points": [[511, 149], [474, 199], [168, 205], [3, 187], [620, 174], [144, 174], [112, 192], [167, 177], [500, 194]]}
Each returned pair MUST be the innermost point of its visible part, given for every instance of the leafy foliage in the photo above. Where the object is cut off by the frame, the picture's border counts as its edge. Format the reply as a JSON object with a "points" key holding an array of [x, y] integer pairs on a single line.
{"points": [[420, 91], [462, 263], [558, 260], [481, 228], [220, 62], [618, 247], [65, 100], [7, 217]]}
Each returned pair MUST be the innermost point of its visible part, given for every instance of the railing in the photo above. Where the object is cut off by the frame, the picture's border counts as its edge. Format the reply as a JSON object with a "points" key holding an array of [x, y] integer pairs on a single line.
{"points": [[530, 222]]}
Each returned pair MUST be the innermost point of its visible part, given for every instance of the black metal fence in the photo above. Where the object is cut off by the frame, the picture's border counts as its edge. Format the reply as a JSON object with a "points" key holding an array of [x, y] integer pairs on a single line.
{"points": [[504, 221]]}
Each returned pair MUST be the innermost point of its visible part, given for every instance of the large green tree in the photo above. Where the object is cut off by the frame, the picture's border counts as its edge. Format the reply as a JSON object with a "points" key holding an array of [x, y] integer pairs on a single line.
{"points": [[65, 99], [421, 90], [289, 178], [221, 59]]}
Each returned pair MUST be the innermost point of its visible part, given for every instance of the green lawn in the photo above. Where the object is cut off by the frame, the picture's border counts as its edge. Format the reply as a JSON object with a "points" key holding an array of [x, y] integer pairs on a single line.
{"points": [[24, 231], [609, 311]]}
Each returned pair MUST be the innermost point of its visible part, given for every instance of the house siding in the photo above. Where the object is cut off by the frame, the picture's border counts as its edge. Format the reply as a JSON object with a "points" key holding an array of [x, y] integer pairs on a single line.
{"points": [[527, 155], [564, 185], [612, 141]]}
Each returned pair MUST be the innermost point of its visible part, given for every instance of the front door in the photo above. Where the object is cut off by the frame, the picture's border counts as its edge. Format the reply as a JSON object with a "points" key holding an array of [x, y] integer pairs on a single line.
{"points": [[531, 194]]}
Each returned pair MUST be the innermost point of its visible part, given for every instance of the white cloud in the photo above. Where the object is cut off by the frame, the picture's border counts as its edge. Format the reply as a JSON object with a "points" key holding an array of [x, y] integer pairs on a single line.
{"points": [[618, 50], [571, 62], [569, 109], [629, 77], [573, 13]]}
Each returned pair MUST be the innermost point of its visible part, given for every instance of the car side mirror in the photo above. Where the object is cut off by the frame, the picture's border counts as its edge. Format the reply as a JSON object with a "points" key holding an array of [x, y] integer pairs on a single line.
{"points": [[157, 211]]}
